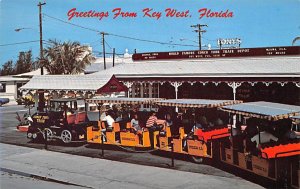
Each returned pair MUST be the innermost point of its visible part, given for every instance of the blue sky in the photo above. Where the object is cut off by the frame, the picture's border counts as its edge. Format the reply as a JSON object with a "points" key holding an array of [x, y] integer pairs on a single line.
{"points": [[258, 23]]}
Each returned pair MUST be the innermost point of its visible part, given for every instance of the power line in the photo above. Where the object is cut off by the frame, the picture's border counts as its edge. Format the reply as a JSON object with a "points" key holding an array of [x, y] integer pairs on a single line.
{"points": [[19, 43], [83, 27], [121, 36], [151, 41]]}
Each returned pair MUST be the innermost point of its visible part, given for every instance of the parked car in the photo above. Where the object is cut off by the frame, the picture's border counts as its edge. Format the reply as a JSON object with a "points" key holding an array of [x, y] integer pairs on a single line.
{"points": [[3, 101]]}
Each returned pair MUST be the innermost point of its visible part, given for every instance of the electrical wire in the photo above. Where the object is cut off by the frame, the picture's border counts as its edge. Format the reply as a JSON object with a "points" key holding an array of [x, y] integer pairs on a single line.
{"points": [[120, 36], [83, 27], [19, 43]]}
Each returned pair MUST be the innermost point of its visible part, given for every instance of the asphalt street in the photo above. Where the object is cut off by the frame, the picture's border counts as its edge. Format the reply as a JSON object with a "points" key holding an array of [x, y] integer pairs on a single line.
{"points": [[86, 172], [9, 135]]}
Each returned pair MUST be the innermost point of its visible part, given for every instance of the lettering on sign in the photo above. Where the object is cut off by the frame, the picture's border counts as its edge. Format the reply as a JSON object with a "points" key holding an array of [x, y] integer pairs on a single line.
{"points": [[113, 87], [196, 147], [40, 118], [128, 139], [259, 168], [233, 41], [217, 53]]}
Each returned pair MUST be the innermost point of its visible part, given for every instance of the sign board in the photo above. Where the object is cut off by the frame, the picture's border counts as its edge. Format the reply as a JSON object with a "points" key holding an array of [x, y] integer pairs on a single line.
{"points": [[218, 53], [233, 41]]}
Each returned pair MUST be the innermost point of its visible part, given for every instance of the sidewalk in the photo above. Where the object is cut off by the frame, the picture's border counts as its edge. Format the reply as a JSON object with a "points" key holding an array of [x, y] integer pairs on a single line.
{"points": [[98, 173]]}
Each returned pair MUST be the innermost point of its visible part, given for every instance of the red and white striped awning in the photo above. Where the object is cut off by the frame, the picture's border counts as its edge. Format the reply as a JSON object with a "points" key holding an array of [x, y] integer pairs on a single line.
{"points": [[115, 100], [196, 103]]}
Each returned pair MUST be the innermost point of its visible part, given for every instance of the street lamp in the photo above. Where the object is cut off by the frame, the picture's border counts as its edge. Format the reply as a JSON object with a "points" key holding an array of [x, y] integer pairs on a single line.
{"points": [[19, 29]]}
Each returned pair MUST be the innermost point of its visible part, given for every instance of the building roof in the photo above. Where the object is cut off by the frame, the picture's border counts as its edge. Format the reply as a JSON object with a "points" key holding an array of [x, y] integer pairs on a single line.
{"points": [[264, 110], [12, 78], [246, 67], [98, 64], [227, 67], [32, 73], [67, 82]]}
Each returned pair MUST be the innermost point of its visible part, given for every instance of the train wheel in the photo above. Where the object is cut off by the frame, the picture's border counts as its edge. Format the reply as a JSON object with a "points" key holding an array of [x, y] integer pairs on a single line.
{"points": [[197, 159], [66, 136], [49, 134]]}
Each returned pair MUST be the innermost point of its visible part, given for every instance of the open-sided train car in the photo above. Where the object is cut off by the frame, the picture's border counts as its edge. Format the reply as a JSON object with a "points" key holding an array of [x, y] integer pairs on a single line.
{"points": [[61, 120], [276, 153], [201, 142], [118, 135]]}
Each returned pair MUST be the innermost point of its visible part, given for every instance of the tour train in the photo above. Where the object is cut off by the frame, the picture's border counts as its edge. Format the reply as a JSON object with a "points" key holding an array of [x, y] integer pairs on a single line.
{"points": [[225, 132], [63, 119]]}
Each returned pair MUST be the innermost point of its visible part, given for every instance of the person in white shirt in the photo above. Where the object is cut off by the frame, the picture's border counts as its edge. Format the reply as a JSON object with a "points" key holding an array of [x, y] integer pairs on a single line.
{"points": [[265, 137], [109, 119]]}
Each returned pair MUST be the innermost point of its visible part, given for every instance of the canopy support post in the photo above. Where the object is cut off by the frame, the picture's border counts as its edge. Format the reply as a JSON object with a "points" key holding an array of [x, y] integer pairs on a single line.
{"points": [[176, 85], [234, 86], [128, 85], [36, 101]]}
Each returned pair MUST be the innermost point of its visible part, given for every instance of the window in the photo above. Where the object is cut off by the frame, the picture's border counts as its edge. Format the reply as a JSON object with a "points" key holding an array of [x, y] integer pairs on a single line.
{"points": [[19, 93], [155, 90], [2, 87], [144, 90]]}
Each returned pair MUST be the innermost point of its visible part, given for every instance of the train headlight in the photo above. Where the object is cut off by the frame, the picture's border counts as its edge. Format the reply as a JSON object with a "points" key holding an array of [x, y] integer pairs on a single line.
{"points": [[34, 135], [29, 135]]}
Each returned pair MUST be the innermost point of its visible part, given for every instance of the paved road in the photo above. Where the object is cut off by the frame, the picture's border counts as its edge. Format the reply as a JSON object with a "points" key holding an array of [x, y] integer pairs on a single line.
{"points": [[8, 134], [86, 172], [15, 181]]}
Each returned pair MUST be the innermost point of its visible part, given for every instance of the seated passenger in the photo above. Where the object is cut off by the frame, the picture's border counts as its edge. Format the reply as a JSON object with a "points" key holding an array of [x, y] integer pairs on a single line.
{"points": [[109, 118], [137, 128], [118, 117], [197, 125], [153, 122], [290, 134], [218, 122], [135, 123], [169, 121], [265, 137], [203, 122], [103, 111]]}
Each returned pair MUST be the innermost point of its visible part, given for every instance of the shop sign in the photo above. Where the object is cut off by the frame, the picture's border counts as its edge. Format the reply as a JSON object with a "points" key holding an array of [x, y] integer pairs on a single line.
{"points": [[233, 41], [219, 53]]}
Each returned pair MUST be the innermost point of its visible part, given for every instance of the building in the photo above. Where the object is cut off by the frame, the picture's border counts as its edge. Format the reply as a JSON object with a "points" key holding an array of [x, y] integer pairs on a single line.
{"points": [[251, 74], [9, 85]]}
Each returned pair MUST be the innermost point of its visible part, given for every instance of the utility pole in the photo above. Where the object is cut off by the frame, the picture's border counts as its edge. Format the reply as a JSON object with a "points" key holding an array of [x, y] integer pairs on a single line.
{"points": [[41, 36], [103, 47], [114, 52], [200, 31], [41, 94]]}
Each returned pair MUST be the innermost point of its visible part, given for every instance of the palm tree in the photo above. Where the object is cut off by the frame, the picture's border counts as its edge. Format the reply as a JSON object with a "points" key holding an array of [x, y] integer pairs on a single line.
{"points": [[67, 57]]}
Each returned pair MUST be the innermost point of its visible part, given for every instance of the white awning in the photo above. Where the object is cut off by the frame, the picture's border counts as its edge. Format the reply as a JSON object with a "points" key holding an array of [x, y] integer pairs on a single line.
{"points": [[85, 83]]}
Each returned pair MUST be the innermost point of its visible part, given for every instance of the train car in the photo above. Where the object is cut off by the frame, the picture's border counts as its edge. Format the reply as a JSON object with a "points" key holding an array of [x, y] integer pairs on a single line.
{"points": [[121, 133], [262, 141], [62, 120], [201, 142]]}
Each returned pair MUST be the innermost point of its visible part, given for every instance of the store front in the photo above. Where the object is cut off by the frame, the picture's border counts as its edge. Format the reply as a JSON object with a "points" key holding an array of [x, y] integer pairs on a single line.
{"points": [[268, 74]]}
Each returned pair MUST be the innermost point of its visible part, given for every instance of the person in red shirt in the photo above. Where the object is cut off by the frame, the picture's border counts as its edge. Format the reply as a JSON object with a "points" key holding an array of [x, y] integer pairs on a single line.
{"points": [[154, 124]]}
